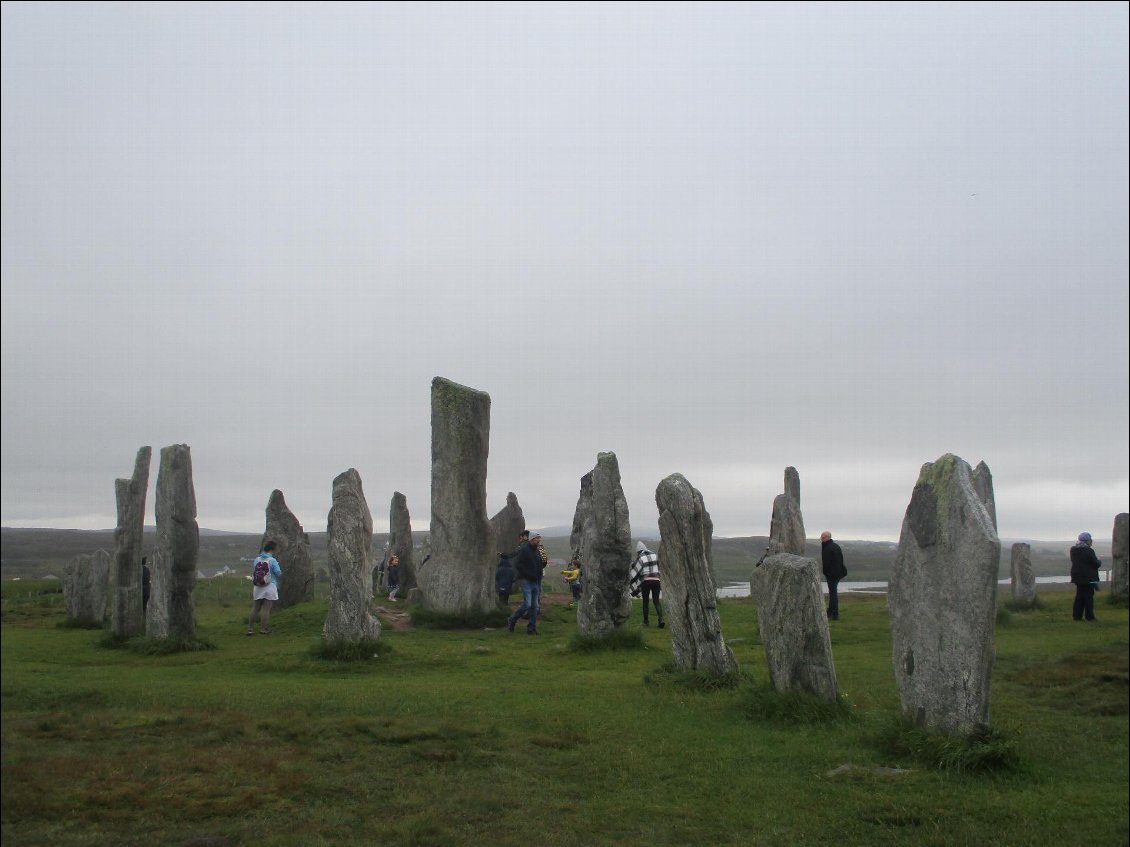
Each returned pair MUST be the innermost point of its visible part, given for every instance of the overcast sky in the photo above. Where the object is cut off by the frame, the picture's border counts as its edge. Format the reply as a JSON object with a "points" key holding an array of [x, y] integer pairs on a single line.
{"points": [[713, 239]]}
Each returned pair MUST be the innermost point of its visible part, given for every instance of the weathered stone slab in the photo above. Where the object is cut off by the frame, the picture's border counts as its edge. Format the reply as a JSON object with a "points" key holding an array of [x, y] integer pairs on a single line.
{"points": [[86, 578], [459, 577], [1119, 584], [687, 569], [606, 542], [983, 485], [1023, 580], [507, 524], [349, 538], [128, 617], [400, 542], [580, 515], [794, 625], [942, 599], [171, 612], [292, 553], [786, 527]]}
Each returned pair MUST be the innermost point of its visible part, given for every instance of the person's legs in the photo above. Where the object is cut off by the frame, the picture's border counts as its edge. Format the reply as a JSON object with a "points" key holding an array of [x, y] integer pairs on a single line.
{"points": [[1080, 602], [265, 616], [656, 588], [256, 605], [646, 592], [833, 599], [535, 607], [527, 602], [1089, 602]]}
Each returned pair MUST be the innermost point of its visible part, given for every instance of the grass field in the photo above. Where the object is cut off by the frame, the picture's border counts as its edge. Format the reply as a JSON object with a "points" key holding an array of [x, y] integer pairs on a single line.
{"points": [[483, 737]]}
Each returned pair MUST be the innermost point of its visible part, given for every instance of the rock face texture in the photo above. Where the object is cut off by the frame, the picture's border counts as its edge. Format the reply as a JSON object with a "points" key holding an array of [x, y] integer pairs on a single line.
{"points": [[293, 553], [794, 625], [942, 600], [983, 485], [128, 618], [507, 524], [606, 545], [1023, 581], [786, 528], [1119, 584], [584, 506], [171, 612], [459, 577], [400, 541], [349, 539], [687, 570], [85, 581]]}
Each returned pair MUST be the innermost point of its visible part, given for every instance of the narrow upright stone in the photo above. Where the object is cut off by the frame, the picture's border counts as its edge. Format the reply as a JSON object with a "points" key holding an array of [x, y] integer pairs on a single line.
{"points": [[171, 612], [1023, 581], [942, 600], [127, 617], [400, 541], [507, 524], [459, 577], [293, 552], [983, 485], [349, 538], [794, 625], [1119, 584], [786, 528], [580, 515], [687, 570], [85, 580], [606, 542]]}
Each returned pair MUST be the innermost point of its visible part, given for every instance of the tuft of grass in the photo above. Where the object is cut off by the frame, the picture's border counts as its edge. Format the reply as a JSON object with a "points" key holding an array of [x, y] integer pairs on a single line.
{"points": [[986, 751], [426, 618], [669, 674], [144, 646], [1004, 616], [365, 650], [619, 639], [71, 623], [798, 708], [1118, 601], [1020, 606]]}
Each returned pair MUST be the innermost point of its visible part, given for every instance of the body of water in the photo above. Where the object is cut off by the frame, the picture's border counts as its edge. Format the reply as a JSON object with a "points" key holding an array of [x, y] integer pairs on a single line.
{"points": [[741, 589]]}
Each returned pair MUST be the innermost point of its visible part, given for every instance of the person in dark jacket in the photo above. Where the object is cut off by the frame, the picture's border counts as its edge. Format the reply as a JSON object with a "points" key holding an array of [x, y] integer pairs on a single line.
{"points": [[530, 568], [1085, 576], [504, 579], [146, 583], [832, 558]]}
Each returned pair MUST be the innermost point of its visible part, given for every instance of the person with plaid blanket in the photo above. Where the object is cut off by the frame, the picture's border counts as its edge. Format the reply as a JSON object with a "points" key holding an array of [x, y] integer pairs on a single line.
{"points": [[644, 578]]}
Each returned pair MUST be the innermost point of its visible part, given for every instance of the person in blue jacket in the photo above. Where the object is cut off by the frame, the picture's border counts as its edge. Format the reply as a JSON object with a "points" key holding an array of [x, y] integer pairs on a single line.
{"points": [[265, 595]]}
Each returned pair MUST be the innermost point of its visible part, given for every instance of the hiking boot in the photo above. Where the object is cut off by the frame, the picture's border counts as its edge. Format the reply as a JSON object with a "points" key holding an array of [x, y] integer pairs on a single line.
{"points": [[264, 632], [661, 624], [250, 632], [510, 625]]}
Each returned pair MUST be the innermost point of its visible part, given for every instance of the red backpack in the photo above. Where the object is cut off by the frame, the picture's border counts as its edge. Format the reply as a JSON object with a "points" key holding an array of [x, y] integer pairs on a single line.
{"points": [[262, 573]]}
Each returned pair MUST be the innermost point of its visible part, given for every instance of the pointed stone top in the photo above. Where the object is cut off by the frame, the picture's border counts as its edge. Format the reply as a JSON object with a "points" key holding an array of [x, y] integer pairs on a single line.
{"points": [[792, 483]]}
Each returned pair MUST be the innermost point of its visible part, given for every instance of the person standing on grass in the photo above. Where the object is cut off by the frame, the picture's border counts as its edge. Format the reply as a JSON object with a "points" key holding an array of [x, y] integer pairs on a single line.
{"points": [[644, 578], [393, 576], [530, 568], [1085, 565], [266, 594], [832, 558], [572, 576]]}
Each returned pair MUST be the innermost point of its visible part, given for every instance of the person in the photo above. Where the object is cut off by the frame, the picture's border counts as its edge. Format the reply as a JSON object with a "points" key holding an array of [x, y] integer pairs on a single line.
{"points": [[572, 576], [644, 578], [833, 561], [393, 576], [265, 595], [1085, 566], [504, 579], [531, 569], [146, 583]]}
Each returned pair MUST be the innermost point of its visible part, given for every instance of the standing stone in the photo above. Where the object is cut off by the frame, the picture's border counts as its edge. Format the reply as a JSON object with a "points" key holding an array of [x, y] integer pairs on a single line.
{"points": [[1119, 585], [1023, 581], [584, 506], [786, 527], [85, 580], [293, 553], [687, 570], [794, 625], [606, 542], [128, 616], [400, 541], [983, 485], [507, 524], [171, 613], [350, 544], [942, 600], [459, 577]]}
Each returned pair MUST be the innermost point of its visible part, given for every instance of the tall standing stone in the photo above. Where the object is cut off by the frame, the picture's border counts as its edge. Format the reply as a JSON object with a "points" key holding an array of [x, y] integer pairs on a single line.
{"points": [[786, 527], [400, 541], [1023, 580], [687, 569], [171, 612], [606, 542], [1119, 584], [580, 515], [459, 577], [507, 524], [293, 552], [983, 485], [942, 600], [85, 580], [349, 537], [794, 625], [127, 616]]}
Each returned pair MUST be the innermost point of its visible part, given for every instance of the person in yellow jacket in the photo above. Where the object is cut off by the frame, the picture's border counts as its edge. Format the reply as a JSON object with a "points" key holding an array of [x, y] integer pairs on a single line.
{"points": [[572, 576]]}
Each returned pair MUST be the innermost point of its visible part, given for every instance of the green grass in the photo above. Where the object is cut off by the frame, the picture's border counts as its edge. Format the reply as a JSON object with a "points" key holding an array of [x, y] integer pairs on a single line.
{"points": [[468, 737]]}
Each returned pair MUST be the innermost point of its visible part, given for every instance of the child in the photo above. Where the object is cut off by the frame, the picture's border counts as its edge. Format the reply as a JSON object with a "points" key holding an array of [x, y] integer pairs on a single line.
{"points": [[572, 576], [393, 578]]}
